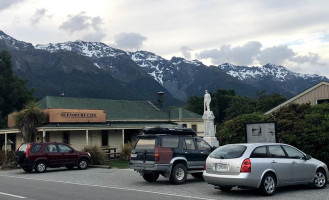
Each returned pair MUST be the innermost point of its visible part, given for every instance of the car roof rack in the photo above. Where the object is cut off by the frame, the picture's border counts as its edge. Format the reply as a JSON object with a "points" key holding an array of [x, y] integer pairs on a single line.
{"points": [[169, 131]]}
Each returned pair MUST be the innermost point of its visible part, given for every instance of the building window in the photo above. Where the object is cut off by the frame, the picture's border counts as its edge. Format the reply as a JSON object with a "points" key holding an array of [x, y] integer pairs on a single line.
{"points": [[320, 101], [66, 137], [105, 138], [194, 127]]}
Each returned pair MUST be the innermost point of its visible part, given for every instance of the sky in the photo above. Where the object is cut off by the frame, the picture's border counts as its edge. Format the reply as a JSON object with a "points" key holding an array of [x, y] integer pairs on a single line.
{"points": [[292, 33]]}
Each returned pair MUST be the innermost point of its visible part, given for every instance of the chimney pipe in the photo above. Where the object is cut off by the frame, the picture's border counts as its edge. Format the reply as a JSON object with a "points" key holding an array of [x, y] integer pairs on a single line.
{"points": [[160, 98]]}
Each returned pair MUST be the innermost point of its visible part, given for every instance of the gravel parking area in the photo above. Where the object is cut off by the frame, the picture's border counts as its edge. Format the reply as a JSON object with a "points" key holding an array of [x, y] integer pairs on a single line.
{"points": [[127, 179]]}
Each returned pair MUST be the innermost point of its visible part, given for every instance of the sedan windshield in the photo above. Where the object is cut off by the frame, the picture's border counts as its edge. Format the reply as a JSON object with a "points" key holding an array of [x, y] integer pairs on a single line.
{"points": [[228, 152]]}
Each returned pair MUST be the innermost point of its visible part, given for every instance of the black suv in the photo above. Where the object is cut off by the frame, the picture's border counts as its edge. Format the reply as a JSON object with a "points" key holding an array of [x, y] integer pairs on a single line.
{"points": [[170, 152], [39, 156]]}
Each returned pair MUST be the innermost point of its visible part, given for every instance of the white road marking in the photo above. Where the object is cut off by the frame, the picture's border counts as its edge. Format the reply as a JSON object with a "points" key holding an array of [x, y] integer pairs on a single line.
{"points": [[12, 195], [110, 187]]}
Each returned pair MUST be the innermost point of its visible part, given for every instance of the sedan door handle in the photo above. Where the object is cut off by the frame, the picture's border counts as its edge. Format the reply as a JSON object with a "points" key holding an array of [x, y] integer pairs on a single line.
{"points": [[273, 162]]}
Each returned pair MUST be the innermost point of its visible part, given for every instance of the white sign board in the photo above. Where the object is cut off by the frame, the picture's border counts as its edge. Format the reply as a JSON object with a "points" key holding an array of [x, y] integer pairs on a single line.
{"points": [[261, 132]]}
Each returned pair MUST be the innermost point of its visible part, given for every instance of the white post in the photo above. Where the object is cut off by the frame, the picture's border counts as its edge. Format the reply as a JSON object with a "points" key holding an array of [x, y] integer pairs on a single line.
{"points": [[43, 135], [87, 137], [5, 143], [123, 137]]}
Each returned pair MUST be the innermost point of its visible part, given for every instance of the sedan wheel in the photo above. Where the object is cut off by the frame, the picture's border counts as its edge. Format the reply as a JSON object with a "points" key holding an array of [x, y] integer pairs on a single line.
{"points": [[268, 185], [320, 180]]}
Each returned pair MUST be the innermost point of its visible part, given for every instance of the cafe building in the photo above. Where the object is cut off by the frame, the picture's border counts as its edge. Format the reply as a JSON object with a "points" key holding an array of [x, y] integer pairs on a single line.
{"points": [[101, 122]]}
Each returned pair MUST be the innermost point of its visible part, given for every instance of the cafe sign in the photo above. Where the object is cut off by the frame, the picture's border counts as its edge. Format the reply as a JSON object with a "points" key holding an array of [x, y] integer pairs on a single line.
{"points": [[75, 116]]}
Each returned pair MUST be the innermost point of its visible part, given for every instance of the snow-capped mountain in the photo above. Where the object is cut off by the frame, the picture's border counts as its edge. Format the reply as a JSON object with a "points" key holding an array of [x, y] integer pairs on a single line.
{"points": [[93, 69]]}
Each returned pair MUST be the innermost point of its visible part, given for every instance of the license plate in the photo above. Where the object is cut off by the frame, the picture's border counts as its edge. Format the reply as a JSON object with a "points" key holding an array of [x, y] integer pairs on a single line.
{"points": [[222, 167], [134, 155]]}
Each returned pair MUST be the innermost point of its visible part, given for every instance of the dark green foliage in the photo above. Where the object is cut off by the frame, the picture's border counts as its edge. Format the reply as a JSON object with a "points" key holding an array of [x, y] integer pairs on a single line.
{"points": [[7, 161], [97, 154], [195, 104], [266, 102], [240, 105], [233, 131], [305, 127]]}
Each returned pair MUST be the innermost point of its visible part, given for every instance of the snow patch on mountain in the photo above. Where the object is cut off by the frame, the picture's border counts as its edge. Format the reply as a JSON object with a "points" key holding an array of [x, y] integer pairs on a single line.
{"points": [[12, 42], [89, 49]]}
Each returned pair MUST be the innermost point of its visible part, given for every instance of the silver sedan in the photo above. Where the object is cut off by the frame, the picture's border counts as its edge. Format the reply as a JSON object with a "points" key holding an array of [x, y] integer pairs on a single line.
{"points": [[263, 165]]}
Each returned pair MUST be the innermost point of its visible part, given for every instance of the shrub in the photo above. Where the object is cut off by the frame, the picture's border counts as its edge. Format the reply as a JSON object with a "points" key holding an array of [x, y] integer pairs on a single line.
{"points": [[97, 154], [7, 161], [126, 150]]}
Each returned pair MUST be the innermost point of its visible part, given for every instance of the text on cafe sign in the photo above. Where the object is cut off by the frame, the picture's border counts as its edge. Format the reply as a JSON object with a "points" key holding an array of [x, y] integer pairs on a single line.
{"points": [[78, 115]]}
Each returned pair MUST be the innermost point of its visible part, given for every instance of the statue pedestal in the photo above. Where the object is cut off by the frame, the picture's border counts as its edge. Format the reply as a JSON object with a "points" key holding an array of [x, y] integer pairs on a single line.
{"points": [[209, 128]]}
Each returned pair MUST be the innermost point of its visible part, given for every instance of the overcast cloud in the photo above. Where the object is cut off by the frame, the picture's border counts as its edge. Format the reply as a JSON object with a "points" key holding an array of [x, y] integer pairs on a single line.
{"points": [[7, 3], [129, 41], [186, 51], [38, 15]]}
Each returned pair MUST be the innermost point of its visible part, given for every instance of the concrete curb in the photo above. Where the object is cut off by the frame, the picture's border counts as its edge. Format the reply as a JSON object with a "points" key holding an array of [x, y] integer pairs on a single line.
{"points": [[100, 166]]}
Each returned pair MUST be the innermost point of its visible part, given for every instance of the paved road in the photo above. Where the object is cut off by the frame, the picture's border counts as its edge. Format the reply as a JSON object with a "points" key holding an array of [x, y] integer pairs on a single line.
{"points": [[98, 184]]}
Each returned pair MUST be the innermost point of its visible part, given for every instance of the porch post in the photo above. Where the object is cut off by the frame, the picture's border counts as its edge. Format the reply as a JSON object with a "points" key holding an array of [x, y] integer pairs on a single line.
{"points": [[123, 137], [43, 135], [87, 137], [5, 143]]}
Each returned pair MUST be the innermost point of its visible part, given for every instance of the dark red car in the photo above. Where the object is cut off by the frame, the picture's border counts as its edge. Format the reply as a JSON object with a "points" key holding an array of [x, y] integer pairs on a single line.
{"points": [[39, 156]]}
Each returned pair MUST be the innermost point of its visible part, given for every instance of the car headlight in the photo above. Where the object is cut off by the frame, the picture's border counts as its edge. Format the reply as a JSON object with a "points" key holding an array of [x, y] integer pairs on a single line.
{"points": [[89, 155]]}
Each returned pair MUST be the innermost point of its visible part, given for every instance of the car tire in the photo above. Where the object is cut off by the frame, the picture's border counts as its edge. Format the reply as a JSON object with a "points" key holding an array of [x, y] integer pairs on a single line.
{"points": [[151, 177], [320, 179], [198, 175], [268, 185], [27, 170], [225, 188], [83, 163], [178, 174], [40, 167], [69, 166]]}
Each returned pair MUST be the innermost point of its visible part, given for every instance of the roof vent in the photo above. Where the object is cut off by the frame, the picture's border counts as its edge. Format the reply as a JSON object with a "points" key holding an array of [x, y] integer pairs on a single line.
{"points": [[160, 98]]}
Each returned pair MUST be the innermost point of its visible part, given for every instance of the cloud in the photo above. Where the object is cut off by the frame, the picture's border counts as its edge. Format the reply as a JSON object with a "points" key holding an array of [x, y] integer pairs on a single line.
{"points": [[89, 27], [7, 3], [129, 41], [186, 51], [251, 53], [276, 55], [38, 15], [240, 55]]}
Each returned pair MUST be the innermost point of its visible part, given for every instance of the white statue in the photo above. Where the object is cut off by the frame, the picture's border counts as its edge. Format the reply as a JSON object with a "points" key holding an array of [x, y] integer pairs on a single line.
{"points": [[207, 100]]}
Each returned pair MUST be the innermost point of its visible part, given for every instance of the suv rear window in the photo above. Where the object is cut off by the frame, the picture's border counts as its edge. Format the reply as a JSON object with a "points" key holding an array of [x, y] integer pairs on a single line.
{"points": [[23, 147], [36, 148], [228, 152], [169, 142], [144, 143]]}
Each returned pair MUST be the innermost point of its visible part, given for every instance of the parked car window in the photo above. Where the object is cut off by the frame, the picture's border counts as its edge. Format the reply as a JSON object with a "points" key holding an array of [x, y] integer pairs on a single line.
{"points": [[276, 152], [64, 148], [169, 142], [189, 144], [51, 148], [148, 143], [293, 153], [203, 146], [36, 148], [259, 152], [228, 151]]}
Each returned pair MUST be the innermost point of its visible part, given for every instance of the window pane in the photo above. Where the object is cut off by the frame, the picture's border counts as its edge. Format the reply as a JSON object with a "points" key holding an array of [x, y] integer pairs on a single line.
{"points": [[51, 148], [276, 152], [259, 152], [36, 148], [293, 153], [169, 142], [189, 144], [228, 151], [145, 143], [203, 146], [64, 148]]}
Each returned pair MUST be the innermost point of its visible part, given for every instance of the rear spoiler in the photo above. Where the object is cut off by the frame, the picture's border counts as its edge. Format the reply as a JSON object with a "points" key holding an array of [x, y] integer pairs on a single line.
{"points": [[169, 131]]}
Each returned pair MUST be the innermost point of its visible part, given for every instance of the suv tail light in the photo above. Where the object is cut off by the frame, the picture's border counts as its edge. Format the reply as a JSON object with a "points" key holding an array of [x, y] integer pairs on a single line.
{"points": [[27, 151], [156, 157], [246, 166]]}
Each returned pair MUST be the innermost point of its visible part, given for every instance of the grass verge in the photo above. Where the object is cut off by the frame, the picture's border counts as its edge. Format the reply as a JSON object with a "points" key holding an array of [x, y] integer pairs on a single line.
{"points": [[118, 163]]}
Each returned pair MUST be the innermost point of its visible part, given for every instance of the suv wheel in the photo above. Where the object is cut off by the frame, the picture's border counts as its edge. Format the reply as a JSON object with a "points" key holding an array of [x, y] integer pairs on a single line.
{"points": [[151, 177], [40, 167], [83, 163], [320, 180], [178, 174], [268, 185]]}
